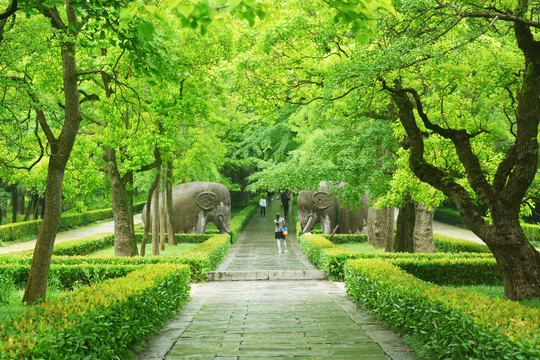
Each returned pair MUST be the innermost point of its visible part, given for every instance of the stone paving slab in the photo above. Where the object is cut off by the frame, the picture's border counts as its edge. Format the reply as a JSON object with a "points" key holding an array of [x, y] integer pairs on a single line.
{"points": [[274, 319], [266, 275]]}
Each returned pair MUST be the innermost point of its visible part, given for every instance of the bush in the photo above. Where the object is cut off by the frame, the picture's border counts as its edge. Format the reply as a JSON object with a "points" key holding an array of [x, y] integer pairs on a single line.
{"points": [[347, 238], [449, 244], [325, 255], [100, 321], [450, 324], [532, 232], [68, 276], [453, 271], [180, 238], [240, 220], [449, 216], [202, 259]]}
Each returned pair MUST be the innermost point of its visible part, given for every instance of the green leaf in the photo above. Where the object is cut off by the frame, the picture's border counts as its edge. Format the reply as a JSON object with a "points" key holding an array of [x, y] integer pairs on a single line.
{"points": [[146, 29], [185, 10]]}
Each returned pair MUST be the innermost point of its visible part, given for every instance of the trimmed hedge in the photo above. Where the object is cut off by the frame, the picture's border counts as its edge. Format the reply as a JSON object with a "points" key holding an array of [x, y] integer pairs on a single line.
{"points": [[180, 238], [453, 271], [452, 245], [23, 230], [449, 216], [240, 220], [69, 275], [101, 321], [347, 238], [450, 324], [532, 232], [325, 255], [205, 257]]}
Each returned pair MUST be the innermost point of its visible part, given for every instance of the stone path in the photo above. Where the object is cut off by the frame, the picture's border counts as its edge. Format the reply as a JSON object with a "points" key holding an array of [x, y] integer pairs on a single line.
{"points": [[298, 319]]}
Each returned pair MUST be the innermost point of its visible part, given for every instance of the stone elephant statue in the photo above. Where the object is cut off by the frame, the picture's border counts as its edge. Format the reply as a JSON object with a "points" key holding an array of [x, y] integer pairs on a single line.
{"points": [[324, 208], [195, 204]]}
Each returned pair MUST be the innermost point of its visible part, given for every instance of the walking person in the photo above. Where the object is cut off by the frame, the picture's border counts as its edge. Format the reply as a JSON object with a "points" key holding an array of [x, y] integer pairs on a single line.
{"points": [[262, 204], [285, 203], [280, 224]]}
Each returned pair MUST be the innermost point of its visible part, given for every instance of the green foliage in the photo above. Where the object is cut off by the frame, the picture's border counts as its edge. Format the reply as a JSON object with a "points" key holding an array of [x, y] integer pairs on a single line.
{"points": [[7, 289], [325, 255], [449, 244], [347, 238], [64, 276], [532, 232], [449, 216], [98, 321], [449, 324], [240, 220], [23, 230]]}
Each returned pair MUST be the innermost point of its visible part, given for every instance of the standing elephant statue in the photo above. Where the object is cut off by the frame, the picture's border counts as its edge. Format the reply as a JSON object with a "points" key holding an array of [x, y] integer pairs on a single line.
{"points": [[195, 204], [324, 208]]}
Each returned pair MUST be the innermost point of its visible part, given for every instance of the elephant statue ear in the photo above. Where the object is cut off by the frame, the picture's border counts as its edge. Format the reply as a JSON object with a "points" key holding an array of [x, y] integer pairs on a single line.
{"points": [[207, 200], [322, 200]]}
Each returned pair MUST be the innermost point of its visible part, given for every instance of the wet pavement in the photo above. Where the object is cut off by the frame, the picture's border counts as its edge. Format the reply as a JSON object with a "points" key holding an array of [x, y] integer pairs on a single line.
{"points": [[266, 319]]}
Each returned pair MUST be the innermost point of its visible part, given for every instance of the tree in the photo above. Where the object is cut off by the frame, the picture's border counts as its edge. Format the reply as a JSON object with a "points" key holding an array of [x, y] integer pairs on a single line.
{"points": [[504, 189]]}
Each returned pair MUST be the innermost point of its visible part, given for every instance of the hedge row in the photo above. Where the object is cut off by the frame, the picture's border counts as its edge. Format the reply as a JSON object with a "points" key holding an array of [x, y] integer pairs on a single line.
{"points": [[23, 230], [347, 238], [68, 276], [325, 255], [240, 220], [205, 257], [449, 244], [450, 324], [100, 321], [452, 217]]}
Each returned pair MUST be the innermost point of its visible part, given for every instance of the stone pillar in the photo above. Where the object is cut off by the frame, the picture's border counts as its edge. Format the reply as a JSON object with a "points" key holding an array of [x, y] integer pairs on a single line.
{"points": [[423, 229], [380, 228]]}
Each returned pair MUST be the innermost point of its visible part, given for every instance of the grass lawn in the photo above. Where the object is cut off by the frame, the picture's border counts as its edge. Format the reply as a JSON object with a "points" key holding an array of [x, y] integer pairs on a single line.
{"points": [[495, 291], [361, 247], [178, 250]]}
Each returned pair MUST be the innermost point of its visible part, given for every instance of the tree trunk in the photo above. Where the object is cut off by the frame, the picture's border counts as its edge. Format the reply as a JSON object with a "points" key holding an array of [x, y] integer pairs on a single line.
{"points": [[162, 214], [14, 203], [121, 208], [405, 228], [423, 229], [30, 209], [155, 218], [36, 286], [381, 228], [148, 210], [170, 214]]}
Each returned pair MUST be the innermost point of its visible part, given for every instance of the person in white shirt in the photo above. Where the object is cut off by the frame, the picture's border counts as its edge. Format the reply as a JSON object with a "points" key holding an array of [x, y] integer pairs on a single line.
{"points": [[262, 204], [280, 224]]}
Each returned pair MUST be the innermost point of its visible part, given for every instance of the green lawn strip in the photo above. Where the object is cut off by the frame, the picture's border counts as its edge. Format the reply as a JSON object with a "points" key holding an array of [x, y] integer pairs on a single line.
{"points": [[100, 321], [450, 324]]}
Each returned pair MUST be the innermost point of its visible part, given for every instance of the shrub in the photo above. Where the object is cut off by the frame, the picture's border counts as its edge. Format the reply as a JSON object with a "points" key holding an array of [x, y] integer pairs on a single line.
{"points": [[449, 216], [450, 324], [532, 232], [325, 255], [100, 321], [449, 244], [239, 221], [68, 276], [452, 270], [347, 238]]}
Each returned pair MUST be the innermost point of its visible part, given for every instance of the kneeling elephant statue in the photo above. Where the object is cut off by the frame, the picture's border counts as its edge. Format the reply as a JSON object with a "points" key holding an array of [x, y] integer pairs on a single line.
{"points": [[324, 208], [195, 204]]}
